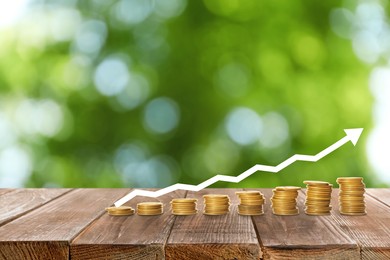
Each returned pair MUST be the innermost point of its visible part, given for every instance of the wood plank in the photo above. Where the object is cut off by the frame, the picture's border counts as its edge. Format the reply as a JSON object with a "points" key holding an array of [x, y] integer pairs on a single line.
{"points": [[382, 195], [301, 236], [199, 236], [371, 232], [20, 201], [3, 191], [45, 233], [131, 237]]}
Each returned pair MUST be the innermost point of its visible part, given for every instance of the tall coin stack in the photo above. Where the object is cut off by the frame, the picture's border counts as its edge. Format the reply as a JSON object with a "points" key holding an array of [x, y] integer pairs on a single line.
{"points": [[284, 200], [318, 197], [251, 203], [351, 195], [149, 208], [216, 204], [185, 206]]}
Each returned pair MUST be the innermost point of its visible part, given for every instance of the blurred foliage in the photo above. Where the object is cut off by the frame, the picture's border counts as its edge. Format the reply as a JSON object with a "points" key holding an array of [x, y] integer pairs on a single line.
{"points": [[189, 67]]}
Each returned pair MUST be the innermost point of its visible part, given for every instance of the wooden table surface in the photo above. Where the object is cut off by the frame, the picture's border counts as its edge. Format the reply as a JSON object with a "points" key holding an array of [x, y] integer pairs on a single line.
{"points": [[72, 223]]}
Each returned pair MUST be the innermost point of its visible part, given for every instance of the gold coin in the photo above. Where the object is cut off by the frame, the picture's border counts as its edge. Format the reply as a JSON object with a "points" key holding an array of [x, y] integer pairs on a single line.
{"points": [[214, 213], [353, 213], [120, 211], [317, 213], [216, 196], [288, 188], [252, 203], [329, 191], [320, 183], [317, 197], [248, 192], [347, 179], [318, 202], [179, 213], [184, 200], [150, 204], [296, 212], [250, 213], [149, 214]]}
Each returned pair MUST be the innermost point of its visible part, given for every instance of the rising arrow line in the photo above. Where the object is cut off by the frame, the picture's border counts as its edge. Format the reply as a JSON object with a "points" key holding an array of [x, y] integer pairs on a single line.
{"points": [[352, 135]]}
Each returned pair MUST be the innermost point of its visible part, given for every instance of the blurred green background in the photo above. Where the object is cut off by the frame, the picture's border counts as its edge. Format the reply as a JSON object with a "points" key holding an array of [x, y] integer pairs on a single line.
{"points": [[144, 93]]}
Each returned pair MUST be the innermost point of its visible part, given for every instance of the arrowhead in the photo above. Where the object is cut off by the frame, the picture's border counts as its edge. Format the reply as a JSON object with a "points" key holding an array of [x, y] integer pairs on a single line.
{"points": [[353, 134]]}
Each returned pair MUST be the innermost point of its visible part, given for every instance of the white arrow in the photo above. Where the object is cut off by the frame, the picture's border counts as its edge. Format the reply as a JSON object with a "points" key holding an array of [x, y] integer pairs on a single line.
{"points": [[352, 135]]}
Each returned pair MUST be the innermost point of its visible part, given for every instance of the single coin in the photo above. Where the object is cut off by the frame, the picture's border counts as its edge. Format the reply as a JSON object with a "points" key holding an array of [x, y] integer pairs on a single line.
{"points": [[322, 183], [179, 213], [288, 188], [248, 192], [184, 200], [286, 214], [317, 214], [349, 179], [150, 204], [353, 214]]}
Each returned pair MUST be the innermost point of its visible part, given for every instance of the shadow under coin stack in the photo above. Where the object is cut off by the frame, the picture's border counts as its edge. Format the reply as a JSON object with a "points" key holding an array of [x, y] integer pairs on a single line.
{"points": [[251, 203], [284, 200], [216, 204], [149, 208], [185, 206], [351, 195], [120, 211], [318, 197]]}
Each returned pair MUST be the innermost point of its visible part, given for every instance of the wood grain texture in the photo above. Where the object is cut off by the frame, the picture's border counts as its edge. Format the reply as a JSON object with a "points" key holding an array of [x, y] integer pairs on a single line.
{"points": [[3, 191], [19, 201], [382, 195], [301, 236], [127, 237], [371, 231], [45, 233], [199, 236]]}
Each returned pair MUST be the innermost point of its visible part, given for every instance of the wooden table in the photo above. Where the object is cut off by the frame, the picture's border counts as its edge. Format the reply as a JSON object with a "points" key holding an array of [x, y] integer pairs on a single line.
{"points": [[72, 223]]}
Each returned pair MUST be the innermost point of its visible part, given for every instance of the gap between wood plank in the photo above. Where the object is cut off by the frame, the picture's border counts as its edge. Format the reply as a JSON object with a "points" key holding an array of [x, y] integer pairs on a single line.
{"points": [[91, 223], [377, 199], [170, 231], [256, 230], [85, 228], [32, 209]]}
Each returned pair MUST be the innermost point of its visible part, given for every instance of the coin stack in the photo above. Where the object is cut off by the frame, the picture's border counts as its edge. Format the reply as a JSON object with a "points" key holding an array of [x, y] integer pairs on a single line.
{"points": [[185, 206], [318, 197], [216, 204], [284, 200], [149, 208], [120, 211], [351, 196], [251, 203]]}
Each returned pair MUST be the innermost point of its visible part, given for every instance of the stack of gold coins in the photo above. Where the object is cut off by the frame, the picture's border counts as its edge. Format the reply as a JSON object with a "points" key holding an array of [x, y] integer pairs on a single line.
{"points": [[284, 200], [251, 203], [351, 196], [183, 206], [149, 208], [216, 204], [318, 197], [120, 211]]}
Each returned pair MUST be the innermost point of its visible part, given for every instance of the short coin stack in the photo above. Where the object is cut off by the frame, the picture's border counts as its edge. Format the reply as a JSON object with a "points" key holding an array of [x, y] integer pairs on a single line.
{"points": [[216, 204], [318, 197], [185, 206], [284, 200], [251, 203], [149, 208], [120, 211], [351, 195]]}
